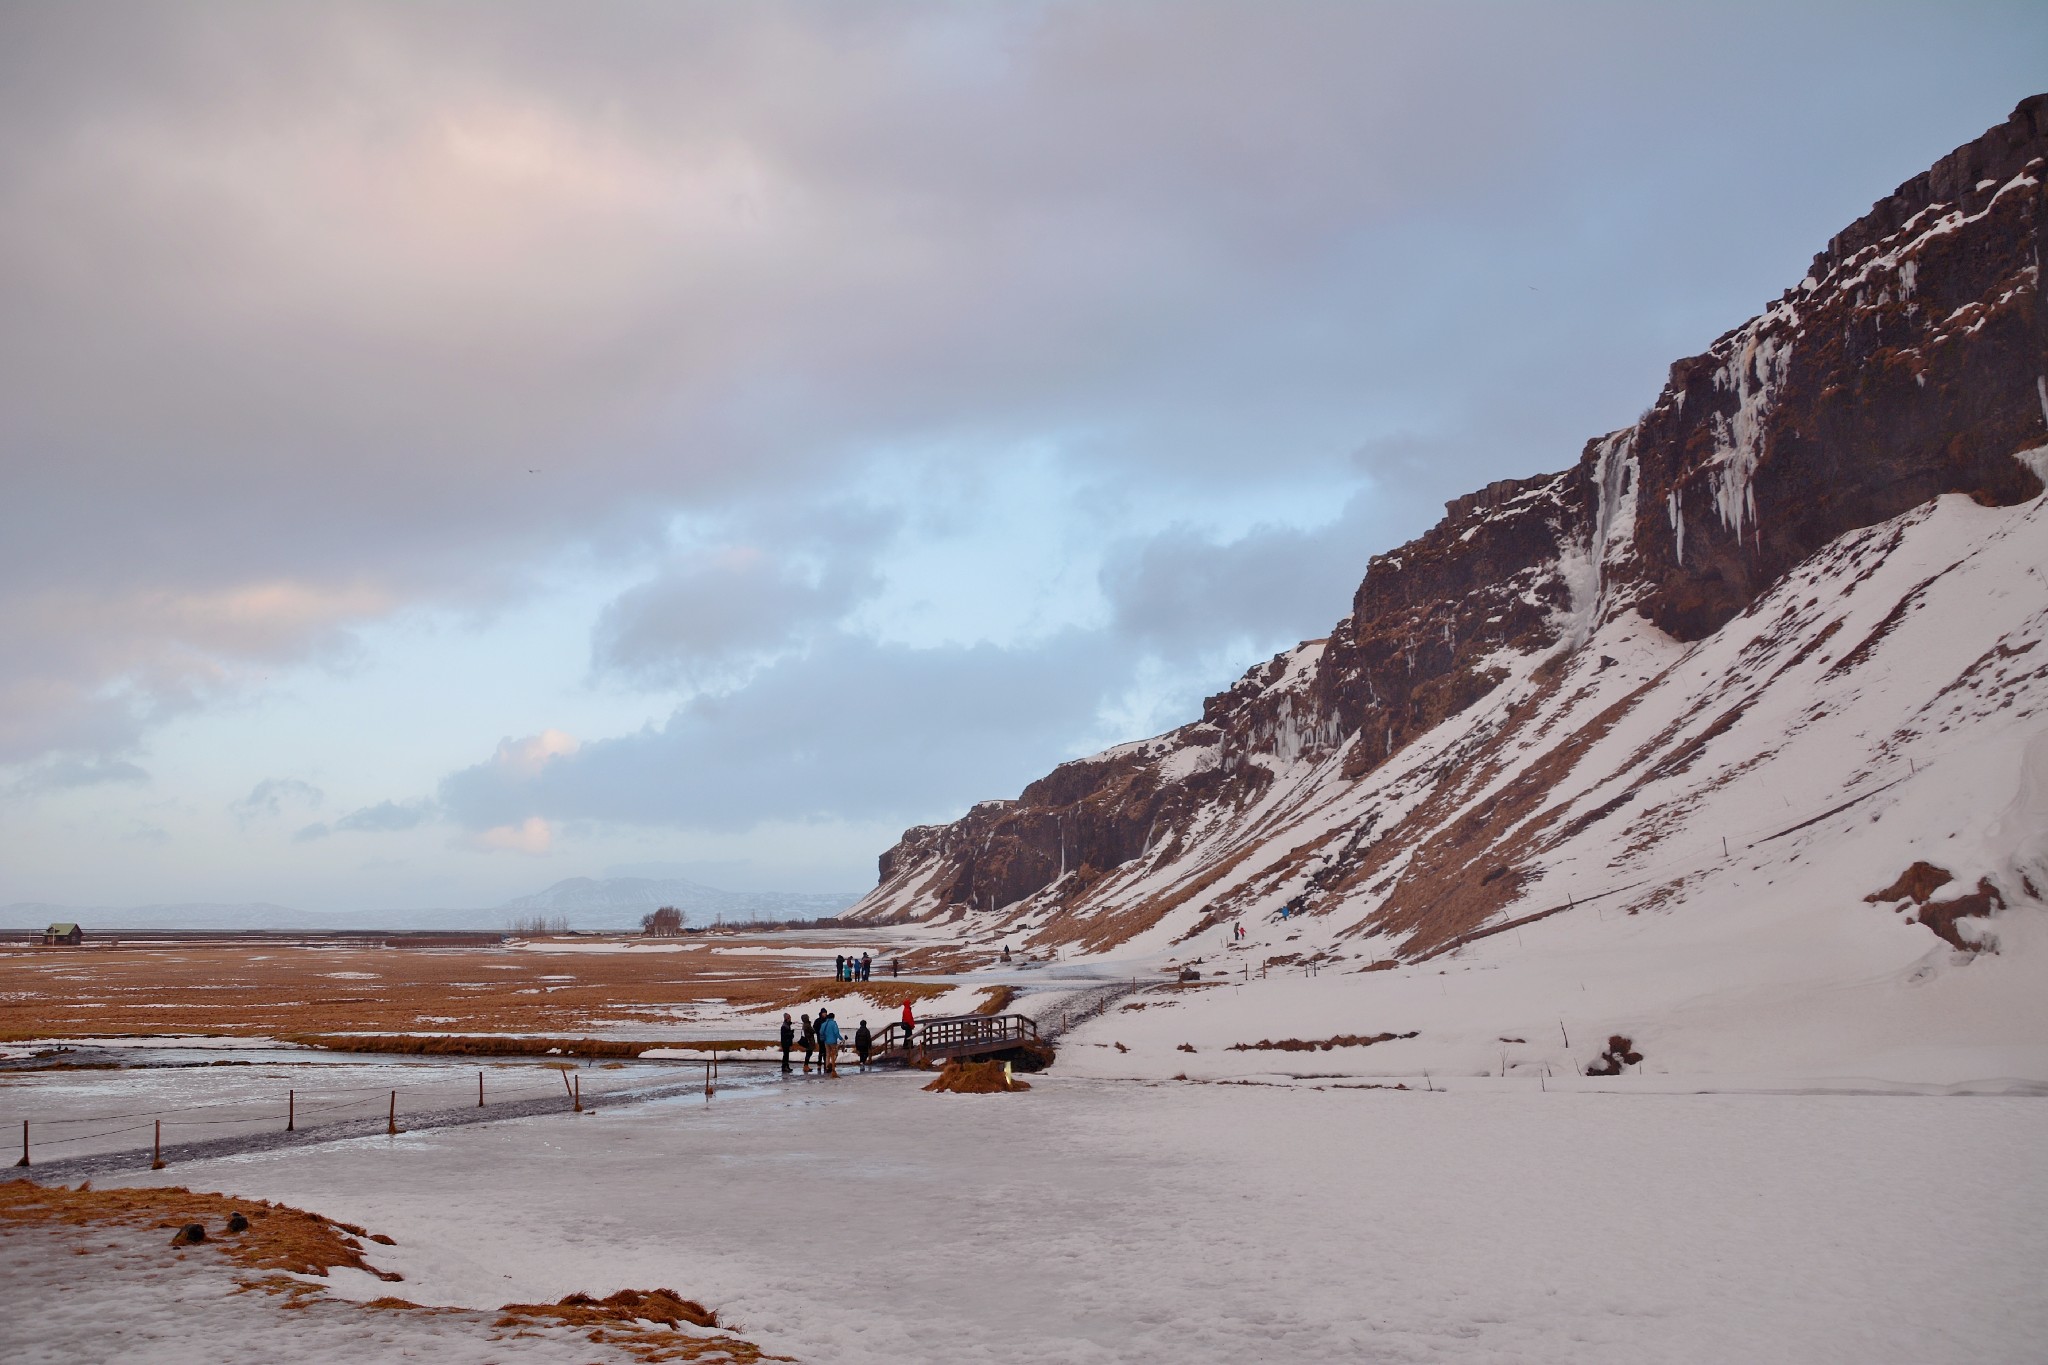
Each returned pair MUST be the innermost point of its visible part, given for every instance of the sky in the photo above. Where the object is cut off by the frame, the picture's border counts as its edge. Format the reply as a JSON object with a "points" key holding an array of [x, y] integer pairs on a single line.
{"points": [[449, 448]]}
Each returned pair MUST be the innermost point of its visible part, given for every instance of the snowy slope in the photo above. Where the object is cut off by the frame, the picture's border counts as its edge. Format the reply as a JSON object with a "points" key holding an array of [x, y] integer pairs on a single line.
{"points": [[1669, 721]]}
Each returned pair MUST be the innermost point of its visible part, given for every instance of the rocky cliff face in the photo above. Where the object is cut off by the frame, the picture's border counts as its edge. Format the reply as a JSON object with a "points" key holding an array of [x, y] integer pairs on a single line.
{"points": [[1908, 364]]}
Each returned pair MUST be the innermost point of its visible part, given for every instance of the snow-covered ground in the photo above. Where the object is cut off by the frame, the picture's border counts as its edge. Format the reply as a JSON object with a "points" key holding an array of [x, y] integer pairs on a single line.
{"points": [[1094, 1220]]}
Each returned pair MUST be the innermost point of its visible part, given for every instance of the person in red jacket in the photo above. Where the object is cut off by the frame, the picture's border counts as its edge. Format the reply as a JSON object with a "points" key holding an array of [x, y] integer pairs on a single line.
{"points": [[909, 1021]]}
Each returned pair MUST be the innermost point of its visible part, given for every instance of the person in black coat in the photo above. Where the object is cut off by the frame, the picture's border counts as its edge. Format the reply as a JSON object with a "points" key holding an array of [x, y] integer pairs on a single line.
{"points": [[863, 1044], [807, 1040], [788, 1042]]}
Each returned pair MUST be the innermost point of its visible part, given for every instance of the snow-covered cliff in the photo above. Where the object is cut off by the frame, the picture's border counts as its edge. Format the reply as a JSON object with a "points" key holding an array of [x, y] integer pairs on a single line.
{"points": [[1785, 630]]}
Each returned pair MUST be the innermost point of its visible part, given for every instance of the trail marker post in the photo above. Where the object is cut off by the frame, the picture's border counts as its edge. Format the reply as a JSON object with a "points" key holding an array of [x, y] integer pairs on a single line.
{"points": [[24, 1144], [578, 1092], [156, 1153], [291, 1110], [391, 1122], [479, 1089]]}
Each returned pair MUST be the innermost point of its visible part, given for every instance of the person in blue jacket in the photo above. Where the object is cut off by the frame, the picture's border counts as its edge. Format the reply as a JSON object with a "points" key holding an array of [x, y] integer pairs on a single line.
{"points": [[828, 1039]]}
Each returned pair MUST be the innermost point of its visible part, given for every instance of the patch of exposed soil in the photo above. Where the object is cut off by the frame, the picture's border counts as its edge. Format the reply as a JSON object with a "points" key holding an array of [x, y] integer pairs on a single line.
{"points": [[1621, 1052], [1919, 881], [1313, 1044]]}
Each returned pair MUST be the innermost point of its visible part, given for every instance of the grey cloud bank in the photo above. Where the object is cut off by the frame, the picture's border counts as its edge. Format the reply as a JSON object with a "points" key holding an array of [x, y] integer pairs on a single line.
{"points": [[313, 318]]}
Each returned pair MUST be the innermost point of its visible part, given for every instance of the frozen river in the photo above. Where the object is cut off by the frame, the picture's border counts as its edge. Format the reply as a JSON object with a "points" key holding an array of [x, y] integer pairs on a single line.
{"points": [[865, 1221]]}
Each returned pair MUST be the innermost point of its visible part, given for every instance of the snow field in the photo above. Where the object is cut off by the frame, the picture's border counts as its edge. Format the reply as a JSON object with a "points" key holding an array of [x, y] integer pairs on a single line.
{"points": [[1093, 1222]]}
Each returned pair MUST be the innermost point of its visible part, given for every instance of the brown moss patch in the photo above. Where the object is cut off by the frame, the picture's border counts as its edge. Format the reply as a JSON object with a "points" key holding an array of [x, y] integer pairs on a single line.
{"points": [[436, 1045], [319, 988], [976, 1078], [656, 1325], [995, 999], [278, 1238], [881, 994], [1323, 1044]]}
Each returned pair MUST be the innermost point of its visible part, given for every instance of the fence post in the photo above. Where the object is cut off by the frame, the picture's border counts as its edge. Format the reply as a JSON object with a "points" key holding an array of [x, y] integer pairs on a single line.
{"points": [[156, 1155], [579, 1092], [391, 1123], [24, 1144], [479, 1089], [291, 1110]]}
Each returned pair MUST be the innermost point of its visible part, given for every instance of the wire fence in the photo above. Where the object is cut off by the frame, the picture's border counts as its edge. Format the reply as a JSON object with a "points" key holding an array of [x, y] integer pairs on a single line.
{"points": [[316, 1114]]}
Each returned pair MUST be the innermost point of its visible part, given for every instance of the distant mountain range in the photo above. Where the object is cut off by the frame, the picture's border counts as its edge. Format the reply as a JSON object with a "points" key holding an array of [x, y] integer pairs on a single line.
{"points": [[583, 902]]}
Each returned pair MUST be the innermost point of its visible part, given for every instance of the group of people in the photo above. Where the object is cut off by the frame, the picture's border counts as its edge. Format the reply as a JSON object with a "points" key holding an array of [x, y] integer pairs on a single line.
{"points": [[854, 968], [822, 1038]]}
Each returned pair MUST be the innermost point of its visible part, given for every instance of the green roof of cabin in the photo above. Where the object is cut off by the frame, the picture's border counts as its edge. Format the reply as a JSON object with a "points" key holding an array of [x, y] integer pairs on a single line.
{"points": [[61, 928]]}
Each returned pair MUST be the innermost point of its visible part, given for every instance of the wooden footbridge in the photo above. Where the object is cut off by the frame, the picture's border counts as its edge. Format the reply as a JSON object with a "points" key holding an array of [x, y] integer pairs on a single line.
{"points": [[932, 1041]]}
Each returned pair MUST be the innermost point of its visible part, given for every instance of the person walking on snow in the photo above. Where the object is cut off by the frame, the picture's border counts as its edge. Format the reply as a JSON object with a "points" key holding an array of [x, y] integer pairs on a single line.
{"points": [[808, 1041], [863, 1044], [839, 967], [788, 1041], [828, 1036], [867, 966]]}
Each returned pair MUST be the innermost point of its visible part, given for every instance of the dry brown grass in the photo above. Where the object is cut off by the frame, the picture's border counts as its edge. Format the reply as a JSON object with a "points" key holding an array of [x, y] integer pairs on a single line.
{"points": [[995, 999], [976, 1078], [1314, 1044], [883, 995], [271, 990], [281, 1241], [645, 1323], [434, 1045], [279, 1238]]}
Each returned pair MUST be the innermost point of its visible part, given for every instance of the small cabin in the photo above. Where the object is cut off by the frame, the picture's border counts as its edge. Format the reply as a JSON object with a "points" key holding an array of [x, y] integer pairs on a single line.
{"points": [[68, 934]]}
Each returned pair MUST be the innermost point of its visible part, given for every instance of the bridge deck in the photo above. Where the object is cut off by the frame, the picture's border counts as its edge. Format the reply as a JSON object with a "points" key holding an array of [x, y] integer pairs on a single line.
{"points": [[959, 1035]]}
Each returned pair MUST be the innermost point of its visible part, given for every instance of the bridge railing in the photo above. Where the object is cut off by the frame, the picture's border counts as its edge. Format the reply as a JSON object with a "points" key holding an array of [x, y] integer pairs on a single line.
{"points": [[959, 1035]]}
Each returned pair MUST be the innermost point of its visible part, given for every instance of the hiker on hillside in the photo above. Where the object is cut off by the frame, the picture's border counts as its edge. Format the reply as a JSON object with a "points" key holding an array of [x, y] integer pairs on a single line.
{"points": [[828, 1038], [788, 1041], [895, 966], [808, 1041], [863, 1044]]}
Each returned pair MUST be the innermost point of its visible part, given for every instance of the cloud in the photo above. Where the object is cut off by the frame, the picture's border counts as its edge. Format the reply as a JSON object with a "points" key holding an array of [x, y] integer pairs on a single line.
{"points": [[1184, 594], [268, 799], [728, 601], [525, 758], [854, 729], [65, 773], [335, 311], [386, 817], [887, 400], [531, 835]]}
